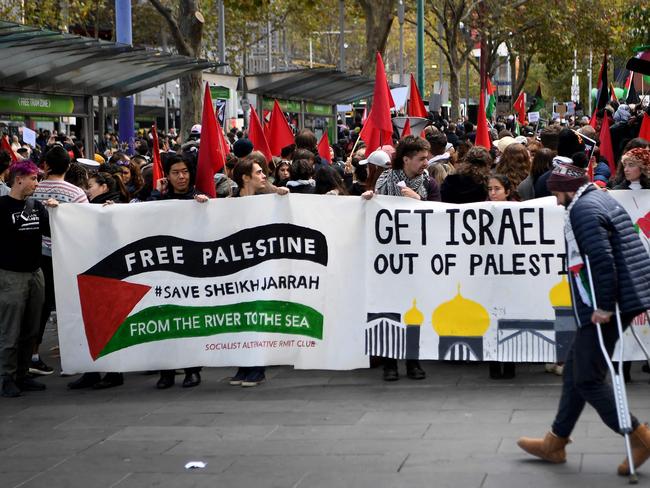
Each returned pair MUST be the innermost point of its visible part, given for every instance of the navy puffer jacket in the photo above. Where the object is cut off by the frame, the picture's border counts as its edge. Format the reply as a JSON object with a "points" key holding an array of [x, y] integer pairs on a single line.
{"points": [[620, 265]]}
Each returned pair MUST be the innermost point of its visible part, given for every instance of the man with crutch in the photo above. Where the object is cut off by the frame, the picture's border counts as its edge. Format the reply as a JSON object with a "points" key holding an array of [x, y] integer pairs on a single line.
{"points": [[599, 232]]}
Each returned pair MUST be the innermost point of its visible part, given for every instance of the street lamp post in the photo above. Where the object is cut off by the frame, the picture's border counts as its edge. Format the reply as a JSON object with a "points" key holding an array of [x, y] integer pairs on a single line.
{"points": [[400, 18]]}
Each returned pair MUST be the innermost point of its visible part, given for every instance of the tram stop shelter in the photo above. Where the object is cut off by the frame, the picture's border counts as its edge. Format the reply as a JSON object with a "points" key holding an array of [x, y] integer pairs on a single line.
{"points": [[310, 94], [48, 73]]}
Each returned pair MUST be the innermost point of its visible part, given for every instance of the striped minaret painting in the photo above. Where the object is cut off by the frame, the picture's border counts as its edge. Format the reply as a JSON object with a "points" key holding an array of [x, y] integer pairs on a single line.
{"points": [[525, 341], [385, 335]]}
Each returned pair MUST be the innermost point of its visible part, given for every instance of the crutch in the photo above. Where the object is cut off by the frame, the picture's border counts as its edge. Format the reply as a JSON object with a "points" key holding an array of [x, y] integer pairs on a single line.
{"points": [[618, 381]]}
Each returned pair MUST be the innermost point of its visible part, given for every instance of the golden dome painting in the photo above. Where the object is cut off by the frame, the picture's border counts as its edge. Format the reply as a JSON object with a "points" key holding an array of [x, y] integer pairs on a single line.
{"points": [[564, 325], [460, 324]]}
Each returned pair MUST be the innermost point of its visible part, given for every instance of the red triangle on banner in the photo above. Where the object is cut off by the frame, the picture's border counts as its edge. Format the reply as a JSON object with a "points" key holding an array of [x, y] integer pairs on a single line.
{"points": [[105, 303]]}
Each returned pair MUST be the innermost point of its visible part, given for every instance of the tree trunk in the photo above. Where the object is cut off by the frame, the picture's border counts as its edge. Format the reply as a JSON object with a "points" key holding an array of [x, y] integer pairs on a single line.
{"points": [[454, 93], [379, 18], [191, 102], [187, 33]]}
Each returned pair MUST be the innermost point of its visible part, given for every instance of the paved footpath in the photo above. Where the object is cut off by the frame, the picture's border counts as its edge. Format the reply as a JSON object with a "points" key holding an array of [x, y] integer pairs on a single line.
{"points": [[302, 429]]}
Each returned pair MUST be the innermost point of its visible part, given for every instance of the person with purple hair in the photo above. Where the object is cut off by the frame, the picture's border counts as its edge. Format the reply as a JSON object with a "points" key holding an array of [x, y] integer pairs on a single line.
{"points": [[23, 223]]}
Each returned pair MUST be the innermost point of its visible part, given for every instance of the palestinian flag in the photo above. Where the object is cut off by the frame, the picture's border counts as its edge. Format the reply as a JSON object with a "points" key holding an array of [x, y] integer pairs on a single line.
{"points": [[491, 99], [140, 292], [539, 100]]}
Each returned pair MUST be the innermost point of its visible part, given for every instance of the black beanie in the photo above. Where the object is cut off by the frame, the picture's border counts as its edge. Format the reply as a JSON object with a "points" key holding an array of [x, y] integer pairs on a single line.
{"points": [[242, 148]]}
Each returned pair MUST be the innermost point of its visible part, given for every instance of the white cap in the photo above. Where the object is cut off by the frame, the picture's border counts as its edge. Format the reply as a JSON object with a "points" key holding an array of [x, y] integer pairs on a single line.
{"points": [[378, 158], [196, 129], [522, 140], [88, 163]]}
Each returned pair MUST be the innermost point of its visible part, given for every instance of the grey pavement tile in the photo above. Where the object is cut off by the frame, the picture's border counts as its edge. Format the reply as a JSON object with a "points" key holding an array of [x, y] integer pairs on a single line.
{"points": [[291, 418], [408, 416], [178, 419], [29, 464], [122, 448], [374, 463], [257, 447], [199, 480], [136, 462], [398, 480], [579, 445], [442, 449], [552, 480], [481, 430], [384, 431], [482, 463], [28, 448], [221, 406], [605, 464], [12, 479], [80, 479], [191, 433]]}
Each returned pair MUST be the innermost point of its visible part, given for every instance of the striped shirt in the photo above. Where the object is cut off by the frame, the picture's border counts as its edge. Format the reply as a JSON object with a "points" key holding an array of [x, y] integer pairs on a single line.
{"points": [[63, 192]]}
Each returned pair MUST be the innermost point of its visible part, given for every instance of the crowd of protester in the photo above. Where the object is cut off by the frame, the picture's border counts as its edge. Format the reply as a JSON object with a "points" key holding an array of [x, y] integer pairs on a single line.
{"points": [[442, 164]]}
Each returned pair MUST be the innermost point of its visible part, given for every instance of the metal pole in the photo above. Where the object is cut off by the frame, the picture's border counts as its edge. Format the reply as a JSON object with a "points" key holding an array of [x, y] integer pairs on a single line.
{"points": [[125, 104], [400, 18], [269, 46], [420, 44], [589, 73], [342, 35], [466, 86], [222, 34], [166, 111], [440, 63], [311, 53]]}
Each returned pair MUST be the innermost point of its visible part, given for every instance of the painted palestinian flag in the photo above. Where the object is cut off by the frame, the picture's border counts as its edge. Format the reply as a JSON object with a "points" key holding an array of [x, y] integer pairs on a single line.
{"points": [[119, 313]]}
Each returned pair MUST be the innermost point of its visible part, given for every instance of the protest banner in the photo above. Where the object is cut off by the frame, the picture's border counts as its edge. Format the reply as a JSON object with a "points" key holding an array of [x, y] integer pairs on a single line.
{"points": [[314, 282], [247, 282]]}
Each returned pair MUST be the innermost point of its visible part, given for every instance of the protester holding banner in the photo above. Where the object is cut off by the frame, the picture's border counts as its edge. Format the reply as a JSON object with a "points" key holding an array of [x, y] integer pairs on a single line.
{"points": [[23, 223], [56, 164], [251, 180], [598, 232], [407, 177], [178, 184]]}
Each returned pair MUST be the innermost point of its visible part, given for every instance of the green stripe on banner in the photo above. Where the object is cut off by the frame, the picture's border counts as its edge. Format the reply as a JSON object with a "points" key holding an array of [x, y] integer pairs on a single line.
{"points": [[177, 322]]}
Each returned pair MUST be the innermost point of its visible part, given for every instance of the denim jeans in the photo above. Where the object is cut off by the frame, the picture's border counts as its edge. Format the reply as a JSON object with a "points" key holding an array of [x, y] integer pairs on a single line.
{"points": [[585, 371]]}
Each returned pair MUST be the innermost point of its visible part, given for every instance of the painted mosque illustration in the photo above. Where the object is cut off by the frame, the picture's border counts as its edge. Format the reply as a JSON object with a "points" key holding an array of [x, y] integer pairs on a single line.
{"points": [[461, 324]]}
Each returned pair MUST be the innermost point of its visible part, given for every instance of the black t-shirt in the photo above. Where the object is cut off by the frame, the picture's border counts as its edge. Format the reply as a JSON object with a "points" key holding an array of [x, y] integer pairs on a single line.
{"points": [[22, 225]]}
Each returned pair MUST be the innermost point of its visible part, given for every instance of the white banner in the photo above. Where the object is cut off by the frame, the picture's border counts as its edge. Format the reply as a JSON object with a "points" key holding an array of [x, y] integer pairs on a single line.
{"points": [[313, 281]]}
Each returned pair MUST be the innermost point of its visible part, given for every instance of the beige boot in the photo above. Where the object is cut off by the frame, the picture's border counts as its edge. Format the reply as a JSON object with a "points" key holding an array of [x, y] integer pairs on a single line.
{"points": [[550, 448], [640, 441]]}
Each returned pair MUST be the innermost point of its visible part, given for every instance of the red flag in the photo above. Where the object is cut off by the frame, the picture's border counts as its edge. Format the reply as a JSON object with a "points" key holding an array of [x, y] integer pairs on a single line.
{"points": [[391, 101], [257, 136], [155, 155], [415, 105], [4, 144], [211, 159], [224, 147], [407, 129], [644, 132], [378, 130], [280, 134], [324, 148], [606, 148], [520, 107]]}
